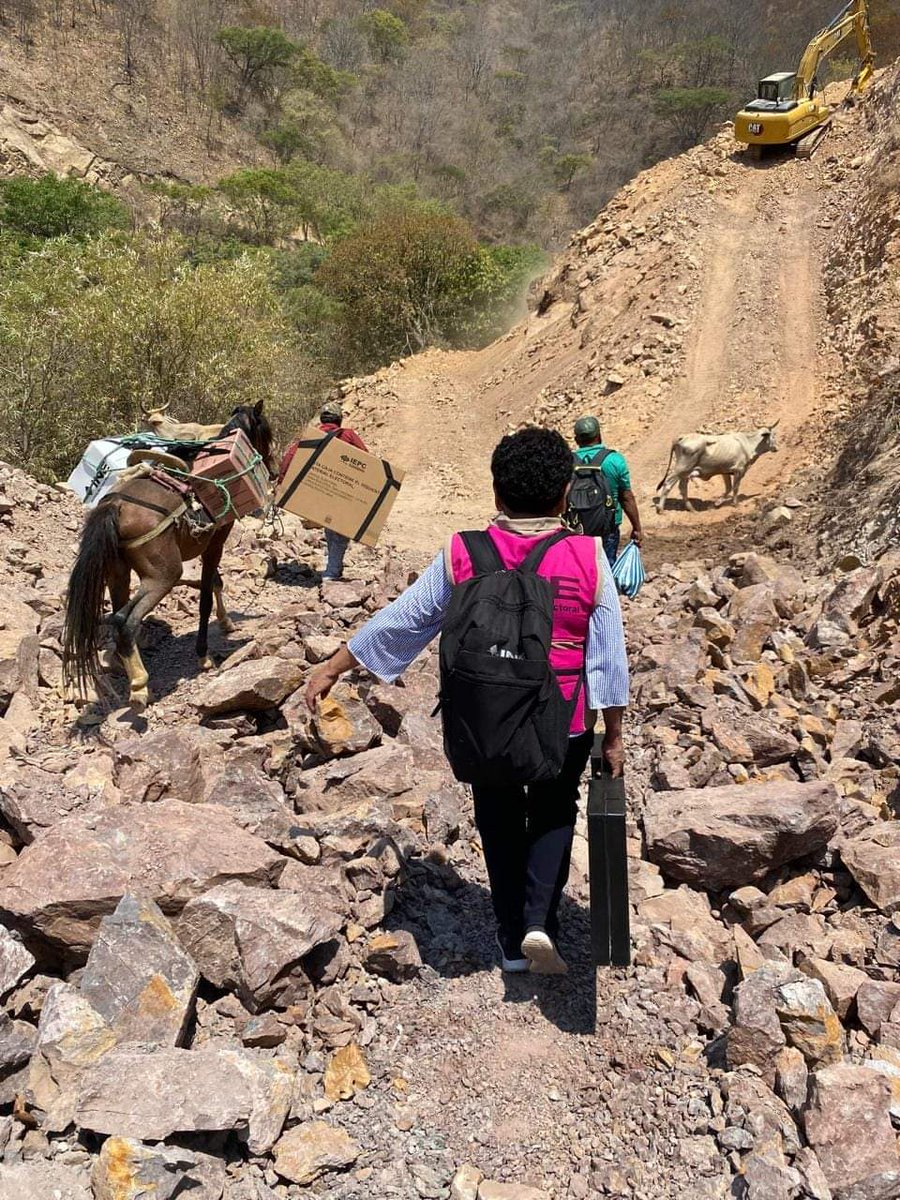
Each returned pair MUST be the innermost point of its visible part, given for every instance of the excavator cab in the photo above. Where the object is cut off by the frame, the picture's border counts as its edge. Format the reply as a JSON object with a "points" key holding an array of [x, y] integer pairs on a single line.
{"points": [[775, 93]]}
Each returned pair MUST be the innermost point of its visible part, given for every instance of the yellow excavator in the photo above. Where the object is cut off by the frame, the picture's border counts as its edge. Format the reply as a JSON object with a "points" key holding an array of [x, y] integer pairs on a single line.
{"points": [[786, 111]]}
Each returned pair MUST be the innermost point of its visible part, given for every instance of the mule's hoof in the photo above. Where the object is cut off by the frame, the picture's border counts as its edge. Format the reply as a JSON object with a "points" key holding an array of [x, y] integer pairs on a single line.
{"points": [[226, 626], [139, 699], [205, 663]]}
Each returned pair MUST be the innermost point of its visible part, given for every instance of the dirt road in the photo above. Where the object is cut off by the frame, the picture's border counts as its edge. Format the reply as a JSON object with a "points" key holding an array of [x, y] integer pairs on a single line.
{"points": [[746, 291]]}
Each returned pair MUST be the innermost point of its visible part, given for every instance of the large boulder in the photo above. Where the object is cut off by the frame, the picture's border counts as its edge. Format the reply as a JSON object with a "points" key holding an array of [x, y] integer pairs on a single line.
{"points": [[850, 600], [131, 1093], [381, 773], [43, 1180], [15, 962], [138, 976], [254, 941], [60, 887], [848, 1124], [809, 1022], [169, 762], [257, 684], [32, 800], [17, 1042], [309, 1151], [719, 837], [673, 663], [129, 1170], [756, 1036], [693, 931], [873, 859], [342, 723], [746, 739], [72, 1036], [875, 1004], [753, 613]]}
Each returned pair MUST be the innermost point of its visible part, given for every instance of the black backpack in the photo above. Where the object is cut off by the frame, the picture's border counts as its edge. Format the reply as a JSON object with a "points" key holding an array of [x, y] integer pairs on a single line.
{"points": [[506, 721], [592, 505]]}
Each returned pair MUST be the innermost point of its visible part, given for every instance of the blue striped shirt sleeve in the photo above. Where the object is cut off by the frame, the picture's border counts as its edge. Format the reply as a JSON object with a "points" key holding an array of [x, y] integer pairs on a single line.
{"points": [[395, 636], [606, 661]]}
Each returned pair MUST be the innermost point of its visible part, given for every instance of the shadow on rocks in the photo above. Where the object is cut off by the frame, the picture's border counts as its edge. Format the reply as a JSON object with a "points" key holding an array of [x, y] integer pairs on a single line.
{"points": [[291, 574], [453, 923]]}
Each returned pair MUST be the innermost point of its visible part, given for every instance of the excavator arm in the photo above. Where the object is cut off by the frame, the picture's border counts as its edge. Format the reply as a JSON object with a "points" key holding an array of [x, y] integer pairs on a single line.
{"points": [[852, 19]]}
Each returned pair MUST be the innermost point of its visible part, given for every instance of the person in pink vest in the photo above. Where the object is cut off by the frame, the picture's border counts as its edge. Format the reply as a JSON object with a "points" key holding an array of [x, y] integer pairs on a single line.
{"points": [[526, 831]]}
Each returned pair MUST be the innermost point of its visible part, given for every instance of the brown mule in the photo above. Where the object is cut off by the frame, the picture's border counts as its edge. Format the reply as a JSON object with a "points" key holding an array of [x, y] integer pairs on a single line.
{"points": [[132, 530]]}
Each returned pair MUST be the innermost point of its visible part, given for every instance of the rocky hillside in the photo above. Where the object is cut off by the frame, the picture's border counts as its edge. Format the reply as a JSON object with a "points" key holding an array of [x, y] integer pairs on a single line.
{"points": [[711, 293], [247, 954], [861, 273]]}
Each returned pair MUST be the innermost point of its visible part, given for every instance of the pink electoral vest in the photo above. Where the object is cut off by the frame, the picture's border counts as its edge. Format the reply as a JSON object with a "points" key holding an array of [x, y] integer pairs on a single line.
{"points": [[572, 568]]}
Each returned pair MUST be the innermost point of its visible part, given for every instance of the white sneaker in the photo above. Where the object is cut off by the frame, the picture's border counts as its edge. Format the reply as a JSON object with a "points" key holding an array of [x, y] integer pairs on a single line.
{"points": [[514, 966], [542, 954]]}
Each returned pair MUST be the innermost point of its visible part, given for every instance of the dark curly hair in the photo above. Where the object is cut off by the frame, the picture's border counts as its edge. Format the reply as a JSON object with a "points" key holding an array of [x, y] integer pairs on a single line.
{"points": [[531, 470]]}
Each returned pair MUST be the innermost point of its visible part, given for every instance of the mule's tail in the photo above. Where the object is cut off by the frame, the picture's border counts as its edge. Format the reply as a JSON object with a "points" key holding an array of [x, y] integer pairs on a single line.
{"points": [[666, 476], [87, 588]]}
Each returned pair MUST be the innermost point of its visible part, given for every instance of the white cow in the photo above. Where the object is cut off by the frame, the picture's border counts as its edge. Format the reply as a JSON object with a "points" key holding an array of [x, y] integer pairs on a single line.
{"points": [[702, 455]]}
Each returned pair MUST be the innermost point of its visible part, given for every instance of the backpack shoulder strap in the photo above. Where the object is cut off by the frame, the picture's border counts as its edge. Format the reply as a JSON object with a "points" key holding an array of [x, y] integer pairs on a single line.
{"points": [[483, 553], [536, 557], [592, 464]]}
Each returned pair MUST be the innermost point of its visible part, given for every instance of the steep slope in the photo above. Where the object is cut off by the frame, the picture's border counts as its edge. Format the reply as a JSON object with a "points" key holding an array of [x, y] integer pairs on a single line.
{"points": [[694, 301], [862, 268]]}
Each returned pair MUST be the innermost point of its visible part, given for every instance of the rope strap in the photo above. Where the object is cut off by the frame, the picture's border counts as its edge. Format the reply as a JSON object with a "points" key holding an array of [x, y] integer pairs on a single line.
{"points": [[164, 524], [221, 482]]}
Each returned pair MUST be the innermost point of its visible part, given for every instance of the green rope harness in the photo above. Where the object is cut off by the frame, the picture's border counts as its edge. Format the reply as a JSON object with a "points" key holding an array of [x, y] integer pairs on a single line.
{"points": [[221, 483]]}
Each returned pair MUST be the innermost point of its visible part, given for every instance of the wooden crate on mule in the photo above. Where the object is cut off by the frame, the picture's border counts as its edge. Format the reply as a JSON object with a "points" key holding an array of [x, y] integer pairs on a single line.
{"points": [[240, 472], [339, 487]]}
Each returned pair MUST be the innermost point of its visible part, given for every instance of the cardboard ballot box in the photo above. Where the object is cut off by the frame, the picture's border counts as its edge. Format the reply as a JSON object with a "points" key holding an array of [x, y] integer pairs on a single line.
{"points": [[239, 469], [339, 487]]}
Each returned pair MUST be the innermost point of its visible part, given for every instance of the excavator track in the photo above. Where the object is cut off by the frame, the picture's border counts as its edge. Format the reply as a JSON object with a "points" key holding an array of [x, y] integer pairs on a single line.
{"points": [[807, 146]]}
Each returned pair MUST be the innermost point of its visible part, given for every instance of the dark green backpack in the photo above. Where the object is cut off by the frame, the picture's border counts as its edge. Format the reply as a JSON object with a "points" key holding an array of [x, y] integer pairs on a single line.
{"points": [[592, 504]]}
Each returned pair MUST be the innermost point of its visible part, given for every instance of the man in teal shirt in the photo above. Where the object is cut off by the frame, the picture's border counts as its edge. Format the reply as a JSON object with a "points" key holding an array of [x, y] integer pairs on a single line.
{"points": [[590, 443]]}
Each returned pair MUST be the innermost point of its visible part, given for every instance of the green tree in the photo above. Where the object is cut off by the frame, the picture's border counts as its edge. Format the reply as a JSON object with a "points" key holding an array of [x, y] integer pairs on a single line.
{"points": [[306, 128], [692, 111], [89, 331], [52, 207], [310, 73], [387, 34], [564, 167], [415, 277], [264, 203], [259, 53]]}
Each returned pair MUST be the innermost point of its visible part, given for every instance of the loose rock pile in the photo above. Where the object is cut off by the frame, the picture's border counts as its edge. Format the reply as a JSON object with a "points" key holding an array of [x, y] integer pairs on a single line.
{"points": [[245, 952], [774, 767]]}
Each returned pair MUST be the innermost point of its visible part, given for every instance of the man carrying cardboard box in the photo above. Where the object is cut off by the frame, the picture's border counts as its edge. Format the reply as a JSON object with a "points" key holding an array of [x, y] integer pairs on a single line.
{"points": [[331, 416]]}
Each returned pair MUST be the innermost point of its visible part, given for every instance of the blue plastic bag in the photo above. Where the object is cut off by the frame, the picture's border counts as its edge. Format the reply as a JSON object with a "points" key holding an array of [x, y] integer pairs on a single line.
{"points": [[628, 571]]}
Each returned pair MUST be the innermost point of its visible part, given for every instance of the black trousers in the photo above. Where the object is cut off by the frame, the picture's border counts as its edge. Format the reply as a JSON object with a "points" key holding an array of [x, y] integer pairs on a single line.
{"points": [[526, 833]]}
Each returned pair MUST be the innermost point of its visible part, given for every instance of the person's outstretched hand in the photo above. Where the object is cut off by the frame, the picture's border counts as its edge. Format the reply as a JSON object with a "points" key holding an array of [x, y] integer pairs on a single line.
{"points": [[319, 685], [325, 676]]}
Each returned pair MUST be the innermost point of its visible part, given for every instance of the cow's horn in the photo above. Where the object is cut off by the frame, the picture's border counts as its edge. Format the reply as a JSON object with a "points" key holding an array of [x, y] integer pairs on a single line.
{"points": [[155, 408]]}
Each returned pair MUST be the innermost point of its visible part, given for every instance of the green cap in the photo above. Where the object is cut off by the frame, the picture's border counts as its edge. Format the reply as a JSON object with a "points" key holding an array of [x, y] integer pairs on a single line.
{"points": [[587, 427]]}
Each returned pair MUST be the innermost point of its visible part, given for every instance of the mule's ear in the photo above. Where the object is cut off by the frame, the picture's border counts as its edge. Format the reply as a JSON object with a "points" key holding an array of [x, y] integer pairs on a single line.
{"points": [[774, 423], [258, 407]]}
